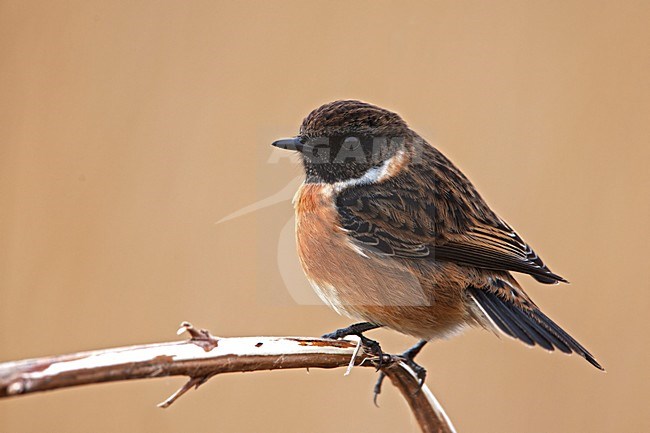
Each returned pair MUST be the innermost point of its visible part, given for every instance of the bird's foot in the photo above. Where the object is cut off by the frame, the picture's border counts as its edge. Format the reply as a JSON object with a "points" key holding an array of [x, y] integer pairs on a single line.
{"points": [[354, 329], [408, 358], [371, 346], [374, 348]]}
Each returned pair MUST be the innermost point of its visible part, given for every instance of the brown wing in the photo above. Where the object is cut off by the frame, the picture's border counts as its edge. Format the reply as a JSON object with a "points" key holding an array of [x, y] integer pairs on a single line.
{"points": [[435, 212], [498, 249]]}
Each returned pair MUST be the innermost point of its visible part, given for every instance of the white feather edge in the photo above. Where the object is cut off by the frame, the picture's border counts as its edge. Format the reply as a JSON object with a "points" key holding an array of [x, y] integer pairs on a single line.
{"points": [[495, 328]]}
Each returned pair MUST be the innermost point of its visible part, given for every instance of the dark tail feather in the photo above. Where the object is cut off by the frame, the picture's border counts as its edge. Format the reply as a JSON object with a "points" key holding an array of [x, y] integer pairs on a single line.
{"points": [[530, 326]]}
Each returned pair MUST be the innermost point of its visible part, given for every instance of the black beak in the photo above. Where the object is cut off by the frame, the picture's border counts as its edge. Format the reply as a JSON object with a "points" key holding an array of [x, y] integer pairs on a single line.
{"points": [[289, 144]]}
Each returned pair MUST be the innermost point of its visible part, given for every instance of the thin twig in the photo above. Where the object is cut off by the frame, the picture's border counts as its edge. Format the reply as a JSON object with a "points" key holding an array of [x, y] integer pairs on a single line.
{"points": [[194, 381], [204, 356]]}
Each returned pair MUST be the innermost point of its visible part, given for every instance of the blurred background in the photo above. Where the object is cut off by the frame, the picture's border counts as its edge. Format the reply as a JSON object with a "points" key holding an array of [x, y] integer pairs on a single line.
{"points": [[129, 129]]}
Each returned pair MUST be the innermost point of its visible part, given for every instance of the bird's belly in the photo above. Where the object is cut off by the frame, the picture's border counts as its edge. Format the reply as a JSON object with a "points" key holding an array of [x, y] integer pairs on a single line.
{"points": [[364, 285]]}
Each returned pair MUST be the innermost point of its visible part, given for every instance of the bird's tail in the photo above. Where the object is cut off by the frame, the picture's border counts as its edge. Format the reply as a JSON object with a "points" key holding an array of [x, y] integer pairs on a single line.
{"points": [[525, 322]]}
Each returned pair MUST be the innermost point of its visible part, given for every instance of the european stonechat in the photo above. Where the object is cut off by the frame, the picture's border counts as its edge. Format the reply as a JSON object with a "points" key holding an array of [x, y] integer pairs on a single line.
{"points": [[391, 233]]}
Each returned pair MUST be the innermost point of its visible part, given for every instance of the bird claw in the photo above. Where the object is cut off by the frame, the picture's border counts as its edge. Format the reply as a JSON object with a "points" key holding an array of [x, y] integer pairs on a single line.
{"points": [[335, 335], [377, 389], [371, 346], [374, 348], [354, 329], [419, 371], [407, 358]]}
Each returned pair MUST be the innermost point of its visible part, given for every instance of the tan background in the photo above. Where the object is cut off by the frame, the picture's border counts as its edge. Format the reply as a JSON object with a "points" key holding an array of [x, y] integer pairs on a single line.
{"points": [[127, 129]]}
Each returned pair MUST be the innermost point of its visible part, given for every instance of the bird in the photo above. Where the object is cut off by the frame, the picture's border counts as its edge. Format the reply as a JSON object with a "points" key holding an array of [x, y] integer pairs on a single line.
{"points": [[390, 233]]}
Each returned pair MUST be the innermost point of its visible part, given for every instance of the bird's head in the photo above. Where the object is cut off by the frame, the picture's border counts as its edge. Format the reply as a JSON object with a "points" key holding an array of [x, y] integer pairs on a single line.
{"points": [[344, 140]]}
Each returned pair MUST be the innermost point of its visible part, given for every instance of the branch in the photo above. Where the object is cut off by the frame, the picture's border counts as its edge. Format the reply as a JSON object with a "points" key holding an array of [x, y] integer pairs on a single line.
{"points": [[204, 356]]}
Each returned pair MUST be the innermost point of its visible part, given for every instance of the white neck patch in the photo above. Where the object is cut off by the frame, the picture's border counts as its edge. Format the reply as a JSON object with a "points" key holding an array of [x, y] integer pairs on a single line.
{"points": [[373, 175]]}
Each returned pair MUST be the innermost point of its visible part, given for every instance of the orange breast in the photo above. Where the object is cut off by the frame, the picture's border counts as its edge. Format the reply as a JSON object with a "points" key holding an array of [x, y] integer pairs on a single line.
{"points": [[313, 197], [346, 276], [365, 285]]}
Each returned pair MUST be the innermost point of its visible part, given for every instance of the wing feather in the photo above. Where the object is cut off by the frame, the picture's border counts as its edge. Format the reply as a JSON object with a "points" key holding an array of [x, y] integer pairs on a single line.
{"points": [[435, 213]]}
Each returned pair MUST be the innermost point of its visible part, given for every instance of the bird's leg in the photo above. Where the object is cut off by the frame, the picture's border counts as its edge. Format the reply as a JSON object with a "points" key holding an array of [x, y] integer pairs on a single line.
{"points": [[408, 357], [358, 329], [354, 329]]}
